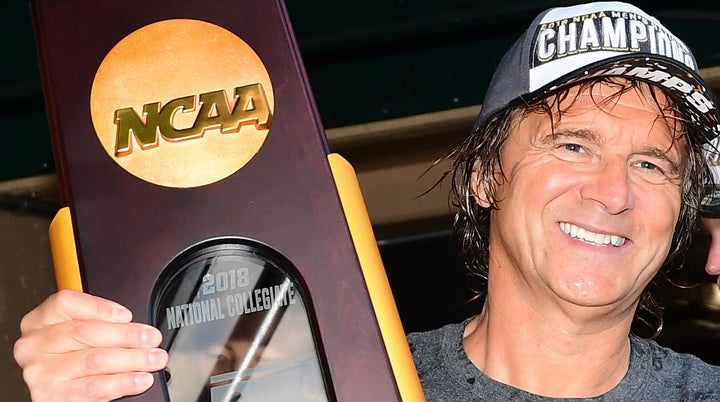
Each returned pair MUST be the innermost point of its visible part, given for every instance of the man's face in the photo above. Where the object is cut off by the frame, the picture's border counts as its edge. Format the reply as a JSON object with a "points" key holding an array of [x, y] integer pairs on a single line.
{"points": [[587, 208]]}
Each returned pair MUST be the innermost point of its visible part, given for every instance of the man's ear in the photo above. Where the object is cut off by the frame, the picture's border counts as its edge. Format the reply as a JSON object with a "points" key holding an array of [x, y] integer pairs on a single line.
{"points": [[478, 189]]}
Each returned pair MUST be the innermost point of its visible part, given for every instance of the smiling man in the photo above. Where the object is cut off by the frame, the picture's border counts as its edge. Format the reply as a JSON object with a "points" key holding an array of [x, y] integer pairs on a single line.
{"points": [[580, 182]]}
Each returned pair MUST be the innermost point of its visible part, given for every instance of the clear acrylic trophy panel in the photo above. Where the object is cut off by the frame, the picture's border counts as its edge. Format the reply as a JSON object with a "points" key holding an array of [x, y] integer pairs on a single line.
{"points": [[237, 327]]}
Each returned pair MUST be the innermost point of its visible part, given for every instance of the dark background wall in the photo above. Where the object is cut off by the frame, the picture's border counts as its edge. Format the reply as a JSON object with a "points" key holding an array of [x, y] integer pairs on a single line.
{"points": [[367, 60]]}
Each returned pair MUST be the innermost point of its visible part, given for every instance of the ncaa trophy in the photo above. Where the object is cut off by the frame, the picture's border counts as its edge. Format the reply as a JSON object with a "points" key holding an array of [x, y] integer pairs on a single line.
{"points": [[201, 194]]}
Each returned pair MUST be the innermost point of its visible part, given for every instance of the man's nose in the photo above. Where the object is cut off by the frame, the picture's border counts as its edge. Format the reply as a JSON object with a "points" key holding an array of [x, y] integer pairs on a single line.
{"points": [[610, 186]]}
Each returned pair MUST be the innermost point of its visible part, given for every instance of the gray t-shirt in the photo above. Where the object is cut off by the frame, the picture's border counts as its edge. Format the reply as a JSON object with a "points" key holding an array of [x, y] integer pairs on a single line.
{"points": [[656, 374]]}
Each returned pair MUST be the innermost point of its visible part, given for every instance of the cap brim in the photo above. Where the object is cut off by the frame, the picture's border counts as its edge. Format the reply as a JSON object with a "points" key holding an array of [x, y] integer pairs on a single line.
{"points": [[692, 95]]}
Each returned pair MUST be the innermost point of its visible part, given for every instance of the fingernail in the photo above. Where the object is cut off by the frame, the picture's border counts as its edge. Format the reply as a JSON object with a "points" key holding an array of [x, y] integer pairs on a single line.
{"points": [[156, 358], [150, 337], [121, 314], [143, 380]]}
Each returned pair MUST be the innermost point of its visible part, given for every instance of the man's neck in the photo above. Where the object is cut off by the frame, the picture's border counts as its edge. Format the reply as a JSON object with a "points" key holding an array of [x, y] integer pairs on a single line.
{"points": [[548, 354]]}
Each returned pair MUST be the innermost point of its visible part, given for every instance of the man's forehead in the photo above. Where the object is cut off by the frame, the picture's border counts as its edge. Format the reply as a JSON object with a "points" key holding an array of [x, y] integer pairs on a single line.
{"points": [[619, 98], [615, 97]]}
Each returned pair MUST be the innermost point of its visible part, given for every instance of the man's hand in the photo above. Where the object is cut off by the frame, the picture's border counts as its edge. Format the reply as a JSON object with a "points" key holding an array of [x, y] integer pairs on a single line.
{"points": [[79, 347], [712, 266]]}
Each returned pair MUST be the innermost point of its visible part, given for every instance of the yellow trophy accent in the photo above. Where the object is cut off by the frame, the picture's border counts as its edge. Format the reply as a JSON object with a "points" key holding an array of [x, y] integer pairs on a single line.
{"points": [[378, 286], [64, 255]]}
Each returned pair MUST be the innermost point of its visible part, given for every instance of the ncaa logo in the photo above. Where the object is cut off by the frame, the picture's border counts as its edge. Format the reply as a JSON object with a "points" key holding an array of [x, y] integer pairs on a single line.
{"points": [[182, 103]]}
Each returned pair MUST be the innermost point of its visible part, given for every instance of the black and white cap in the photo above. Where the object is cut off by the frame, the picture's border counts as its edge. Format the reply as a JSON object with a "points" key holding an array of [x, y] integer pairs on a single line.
{"points": [[565, 45]]}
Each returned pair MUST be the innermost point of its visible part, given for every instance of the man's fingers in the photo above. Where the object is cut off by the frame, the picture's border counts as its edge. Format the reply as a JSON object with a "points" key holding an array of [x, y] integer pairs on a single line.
{"points": [[99, 374], [94, 362], [85, 347], [77, 335], [712, 225], [70, 304], [712, 266], [96, 388]]}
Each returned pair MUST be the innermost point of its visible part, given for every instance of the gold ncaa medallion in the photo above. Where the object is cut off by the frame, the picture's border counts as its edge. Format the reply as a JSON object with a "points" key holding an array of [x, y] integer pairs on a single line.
{"points": [[182, 103]]}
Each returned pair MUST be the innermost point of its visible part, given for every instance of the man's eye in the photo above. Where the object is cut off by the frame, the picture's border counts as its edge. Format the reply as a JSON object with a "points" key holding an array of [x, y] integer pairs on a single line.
{"points": [[648, 165], [573, 147]]}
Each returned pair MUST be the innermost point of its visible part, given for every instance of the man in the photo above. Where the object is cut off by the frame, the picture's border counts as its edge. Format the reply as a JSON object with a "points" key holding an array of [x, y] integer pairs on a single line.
{"points": [[582, 178]]}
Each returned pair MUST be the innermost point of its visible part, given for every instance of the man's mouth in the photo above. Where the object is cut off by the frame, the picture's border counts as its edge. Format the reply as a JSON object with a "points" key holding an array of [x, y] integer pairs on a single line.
{"points": [[597, 239]]}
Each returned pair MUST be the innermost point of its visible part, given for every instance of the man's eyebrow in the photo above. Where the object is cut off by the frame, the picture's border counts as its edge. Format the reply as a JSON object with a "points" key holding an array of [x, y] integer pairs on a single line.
{"points": [[579, 133]]}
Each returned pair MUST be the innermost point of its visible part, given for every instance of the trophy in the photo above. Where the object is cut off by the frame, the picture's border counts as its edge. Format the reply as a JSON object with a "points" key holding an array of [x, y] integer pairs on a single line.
{"points": [[200, 193]]}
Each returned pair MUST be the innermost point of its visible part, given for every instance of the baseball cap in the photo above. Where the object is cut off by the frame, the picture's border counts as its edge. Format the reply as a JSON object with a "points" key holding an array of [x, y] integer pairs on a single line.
{"points": [[566, 45]]}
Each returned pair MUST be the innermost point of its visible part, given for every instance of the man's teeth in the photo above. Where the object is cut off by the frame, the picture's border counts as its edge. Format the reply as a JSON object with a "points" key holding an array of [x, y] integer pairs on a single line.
{"points": [[591, 237]]}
